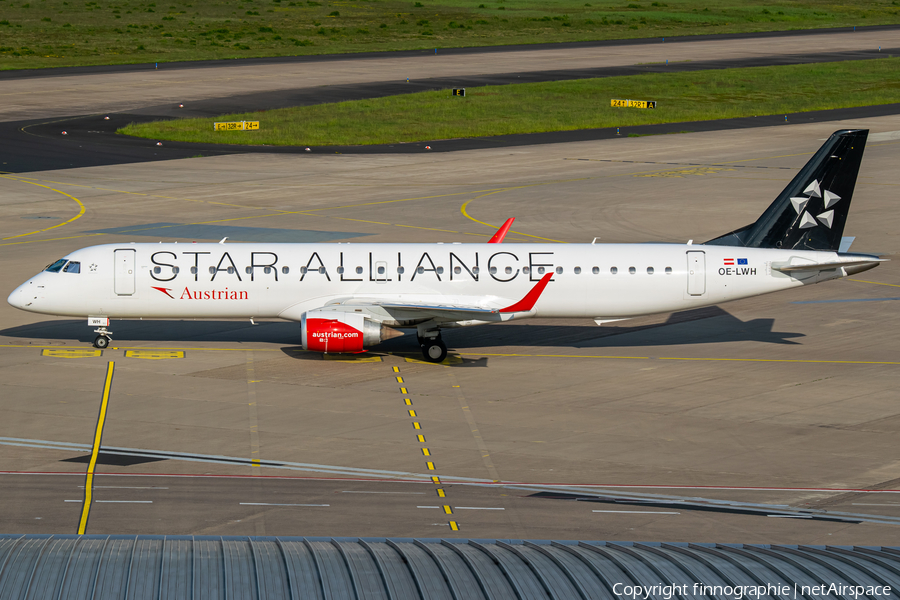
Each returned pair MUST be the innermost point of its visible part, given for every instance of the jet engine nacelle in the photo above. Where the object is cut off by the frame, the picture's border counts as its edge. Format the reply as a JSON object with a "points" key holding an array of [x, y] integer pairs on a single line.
{"points": [[341, 332]]}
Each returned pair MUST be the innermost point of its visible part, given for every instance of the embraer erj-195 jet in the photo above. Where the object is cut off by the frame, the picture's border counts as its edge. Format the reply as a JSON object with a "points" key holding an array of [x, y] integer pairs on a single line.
{"points": [[348, 297]]}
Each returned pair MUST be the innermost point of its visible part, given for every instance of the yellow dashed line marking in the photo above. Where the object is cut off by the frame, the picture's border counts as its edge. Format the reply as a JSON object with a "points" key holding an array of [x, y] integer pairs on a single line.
{"points": [[447, 510], [440, 493], [430, 465], [399, 379], [407, 401], [403, 391], [454, 526], [436, 480], [154, 354], [412, 413], [420, 438], [426, 452], [71, 352], [416, 425], [451, 359], [396, 369]]}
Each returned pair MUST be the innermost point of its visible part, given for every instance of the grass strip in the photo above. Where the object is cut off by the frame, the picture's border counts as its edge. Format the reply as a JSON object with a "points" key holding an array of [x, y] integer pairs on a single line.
{"points": [[51, 33], [555, 106]]}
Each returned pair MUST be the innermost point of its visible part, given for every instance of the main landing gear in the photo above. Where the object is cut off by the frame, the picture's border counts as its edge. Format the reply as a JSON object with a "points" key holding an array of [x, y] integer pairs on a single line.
{"points": [[433, 348], [103, 339]]}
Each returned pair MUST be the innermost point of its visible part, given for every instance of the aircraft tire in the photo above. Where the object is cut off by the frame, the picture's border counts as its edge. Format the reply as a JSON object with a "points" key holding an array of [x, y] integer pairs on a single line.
{"points": [[434, 351], [101, 341]]}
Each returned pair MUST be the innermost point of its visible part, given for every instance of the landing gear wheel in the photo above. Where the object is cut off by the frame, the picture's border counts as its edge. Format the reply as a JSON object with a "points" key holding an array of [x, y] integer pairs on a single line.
{"points": [[101, 341], [434, 350]]}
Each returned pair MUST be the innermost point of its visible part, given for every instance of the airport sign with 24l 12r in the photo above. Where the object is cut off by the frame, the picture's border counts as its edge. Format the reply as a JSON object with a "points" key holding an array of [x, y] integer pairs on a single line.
{"points": [[633, 103], [236, 126]]}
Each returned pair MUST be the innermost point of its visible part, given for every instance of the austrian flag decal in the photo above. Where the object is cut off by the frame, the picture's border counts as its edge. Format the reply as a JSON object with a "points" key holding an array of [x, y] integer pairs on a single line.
{"points": [[729, 262]]}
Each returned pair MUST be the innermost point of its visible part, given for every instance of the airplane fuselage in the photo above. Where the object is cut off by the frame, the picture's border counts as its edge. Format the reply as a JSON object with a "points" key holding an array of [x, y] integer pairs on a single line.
{"points": [[285, 280]]}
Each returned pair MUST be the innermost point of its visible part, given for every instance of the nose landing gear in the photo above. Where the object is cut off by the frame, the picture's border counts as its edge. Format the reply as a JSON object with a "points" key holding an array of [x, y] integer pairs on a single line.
{"points": [[103, 339]]}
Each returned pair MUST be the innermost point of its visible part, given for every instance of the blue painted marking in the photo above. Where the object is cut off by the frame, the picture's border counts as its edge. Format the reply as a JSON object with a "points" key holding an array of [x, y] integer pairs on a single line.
{"points": [[233, 233], [847, 300]]}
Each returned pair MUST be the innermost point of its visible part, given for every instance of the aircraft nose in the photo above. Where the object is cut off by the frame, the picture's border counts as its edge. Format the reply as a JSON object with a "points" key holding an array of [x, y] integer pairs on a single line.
{"points": [[20, 297]]}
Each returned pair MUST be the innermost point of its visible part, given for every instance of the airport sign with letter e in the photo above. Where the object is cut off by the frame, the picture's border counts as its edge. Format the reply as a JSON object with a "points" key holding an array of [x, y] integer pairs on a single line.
{"points": [[236, 126]]}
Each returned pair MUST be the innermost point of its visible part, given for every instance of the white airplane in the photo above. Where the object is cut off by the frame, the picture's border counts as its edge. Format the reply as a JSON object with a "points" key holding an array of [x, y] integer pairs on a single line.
{"points": [[351, 296]]}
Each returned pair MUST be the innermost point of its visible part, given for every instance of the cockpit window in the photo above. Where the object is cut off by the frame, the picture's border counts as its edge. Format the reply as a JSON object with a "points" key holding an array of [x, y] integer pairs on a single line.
{"points": [[73, 267], [55, 267]]}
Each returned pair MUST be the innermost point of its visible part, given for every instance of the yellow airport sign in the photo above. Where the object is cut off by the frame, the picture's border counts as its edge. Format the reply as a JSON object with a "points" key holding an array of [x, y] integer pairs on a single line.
{"points": [[236, 126], [632, 103]]}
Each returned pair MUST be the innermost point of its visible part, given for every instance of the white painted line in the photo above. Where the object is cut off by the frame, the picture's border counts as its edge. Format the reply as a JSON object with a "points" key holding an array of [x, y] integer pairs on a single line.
{"points": [[428, 507], [861, 504], [406, 493], [273, 504], [637, 512], [71, 500], [124, 501], [476, 508], [790, 516], [124, 487]]}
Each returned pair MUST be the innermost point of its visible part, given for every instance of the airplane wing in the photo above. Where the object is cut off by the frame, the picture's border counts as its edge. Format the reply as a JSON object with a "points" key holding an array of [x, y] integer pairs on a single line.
{"points": [[447, 312]]}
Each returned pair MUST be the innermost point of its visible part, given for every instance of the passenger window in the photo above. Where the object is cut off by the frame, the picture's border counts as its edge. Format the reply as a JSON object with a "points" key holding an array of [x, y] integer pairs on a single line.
{"points": [[614, 270], [457, 270], [668, 270], [381, 270], [440, 270], [268, 270], [508, 270], [73, 267], [156, 270], [322, 270], [212, 270], [595, 270], [420, 270], [285, 270], [493, 270], [540, 270], [54, 267], [193, 270], [578, 270], [526, 270], [476, 270], [401, 270], [303, 270], [340, 270], [175, 270], [632, 270], [559, 270], [231, 270], [649, 270], [248, 270], [359, 270]]}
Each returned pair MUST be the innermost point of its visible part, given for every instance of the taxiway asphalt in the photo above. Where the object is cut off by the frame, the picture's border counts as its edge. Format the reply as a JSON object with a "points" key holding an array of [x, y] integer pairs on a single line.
{"points": [[781, 404]]}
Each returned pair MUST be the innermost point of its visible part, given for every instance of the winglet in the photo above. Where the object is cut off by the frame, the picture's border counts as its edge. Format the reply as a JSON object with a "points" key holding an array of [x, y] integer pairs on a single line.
{"points": [[531, 298], [501, 233]]}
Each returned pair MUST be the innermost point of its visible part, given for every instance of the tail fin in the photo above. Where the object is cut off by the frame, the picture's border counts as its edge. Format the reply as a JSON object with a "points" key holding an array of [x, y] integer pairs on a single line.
{"points": [[811, 211]]}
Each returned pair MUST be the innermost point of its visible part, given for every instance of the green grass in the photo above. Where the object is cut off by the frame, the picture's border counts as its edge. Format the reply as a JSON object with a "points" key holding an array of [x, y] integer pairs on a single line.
{"points": [[555, 106], [48, 33]]}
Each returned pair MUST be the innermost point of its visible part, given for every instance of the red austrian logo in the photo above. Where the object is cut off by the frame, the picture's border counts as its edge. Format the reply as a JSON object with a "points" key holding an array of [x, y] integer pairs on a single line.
{"points": [[189, 294]]}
